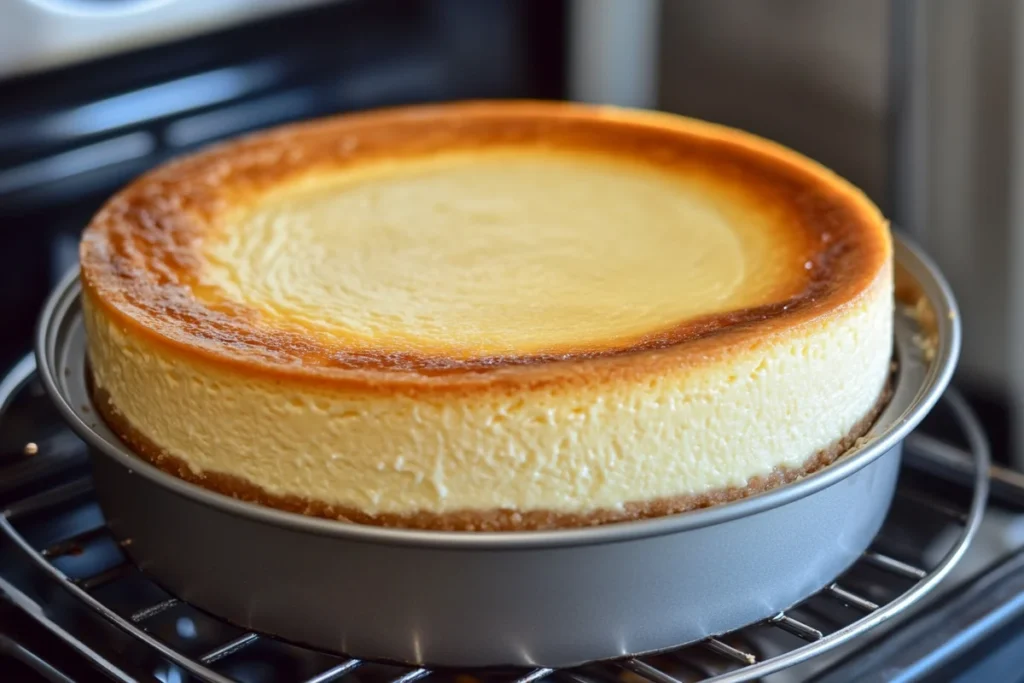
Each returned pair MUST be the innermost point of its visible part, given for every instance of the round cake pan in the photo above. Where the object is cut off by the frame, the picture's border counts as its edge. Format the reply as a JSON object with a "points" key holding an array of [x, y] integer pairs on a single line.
{"points": [[544, 598]]}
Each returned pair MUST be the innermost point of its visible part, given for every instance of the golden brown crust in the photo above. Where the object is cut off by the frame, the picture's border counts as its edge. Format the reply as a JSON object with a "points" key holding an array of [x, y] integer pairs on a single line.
{"points": [[140, 261], [475, 520]]}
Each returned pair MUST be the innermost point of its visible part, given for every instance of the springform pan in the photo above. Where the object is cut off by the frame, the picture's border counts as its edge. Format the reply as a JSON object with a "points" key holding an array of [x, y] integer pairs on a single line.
{"points": [[542, 598]]}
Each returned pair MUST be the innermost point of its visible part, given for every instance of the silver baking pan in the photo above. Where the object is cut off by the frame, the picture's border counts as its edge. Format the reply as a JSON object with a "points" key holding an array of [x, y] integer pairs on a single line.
{"points": [[545, 598]]}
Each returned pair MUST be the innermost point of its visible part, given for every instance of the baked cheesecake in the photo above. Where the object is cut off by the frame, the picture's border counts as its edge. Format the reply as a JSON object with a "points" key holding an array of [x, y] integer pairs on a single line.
{"points": [[490, 316]]}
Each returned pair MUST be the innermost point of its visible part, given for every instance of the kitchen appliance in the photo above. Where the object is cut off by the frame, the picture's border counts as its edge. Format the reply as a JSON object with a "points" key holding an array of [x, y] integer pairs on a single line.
{"points": [[73, 609]]}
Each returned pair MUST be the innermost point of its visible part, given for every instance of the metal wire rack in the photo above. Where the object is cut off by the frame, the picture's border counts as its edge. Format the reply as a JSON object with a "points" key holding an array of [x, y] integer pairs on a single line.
{"points": [[60, 532]]}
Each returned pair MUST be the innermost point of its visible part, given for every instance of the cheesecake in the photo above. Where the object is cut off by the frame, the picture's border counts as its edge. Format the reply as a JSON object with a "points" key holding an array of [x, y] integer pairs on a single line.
{"points": [[490, 316]]}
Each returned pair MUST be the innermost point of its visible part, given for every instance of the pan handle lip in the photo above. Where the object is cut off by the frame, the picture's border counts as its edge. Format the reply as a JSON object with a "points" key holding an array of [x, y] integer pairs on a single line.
{"points": [[906, 410]]}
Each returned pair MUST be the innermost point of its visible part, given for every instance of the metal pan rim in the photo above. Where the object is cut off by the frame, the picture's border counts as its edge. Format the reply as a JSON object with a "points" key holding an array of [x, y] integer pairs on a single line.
{"points": [[905, 411]]}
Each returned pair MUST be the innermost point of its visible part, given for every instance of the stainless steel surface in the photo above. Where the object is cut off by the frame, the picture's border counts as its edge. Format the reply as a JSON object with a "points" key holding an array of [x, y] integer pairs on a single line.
{"points": [[508, 598], [42, 34], [743, 655], [907, 124]]}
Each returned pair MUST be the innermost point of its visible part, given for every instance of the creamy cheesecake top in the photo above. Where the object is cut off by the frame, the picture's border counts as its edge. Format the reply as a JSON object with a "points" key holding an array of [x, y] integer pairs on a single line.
{"points": [[479, 243]]}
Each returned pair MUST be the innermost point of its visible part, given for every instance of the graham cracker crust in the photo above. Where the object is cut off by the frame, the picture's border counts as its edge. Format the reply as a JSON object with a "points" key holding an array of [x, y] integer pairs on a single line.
{"points": [[476, 520]]}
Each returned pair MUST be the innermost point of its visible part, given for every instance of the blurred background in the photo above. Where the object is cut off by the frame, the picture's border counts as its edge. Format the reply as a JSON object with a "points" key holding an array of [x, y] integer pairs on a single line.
{"points": [[913, 100]]}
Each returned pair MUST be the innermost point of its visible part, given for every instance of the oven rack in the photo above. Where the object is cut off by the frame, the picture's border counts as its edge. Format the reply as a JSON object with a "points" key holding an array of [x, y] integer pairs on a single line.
{"points": [[887, 580]]}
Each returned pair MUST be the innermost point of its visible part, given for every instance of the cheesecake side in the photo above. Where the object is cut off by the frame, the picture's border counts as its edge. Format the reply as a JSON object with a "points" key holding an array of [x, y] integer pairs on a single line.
{"points": [[540, 458]]}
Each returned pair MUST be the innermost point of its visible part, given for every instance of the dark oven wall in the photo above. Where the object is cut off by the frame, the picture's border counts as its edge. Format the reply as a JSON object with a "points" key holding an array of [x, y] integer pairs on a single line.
{"points": [[70, 138]]}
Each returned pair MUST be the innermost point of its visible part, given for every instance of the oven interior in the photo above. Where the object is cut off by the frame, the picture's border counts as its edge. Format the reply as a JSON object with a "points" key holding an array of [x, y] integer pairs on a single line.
{"points": [[71, 609]]}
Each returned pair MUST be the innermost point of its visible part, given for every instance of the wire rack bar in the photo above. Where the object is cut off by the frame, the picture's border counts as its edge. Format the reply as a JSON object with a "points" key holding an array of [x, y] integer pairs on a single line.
{"points": [[75, 543], [735, 654], [534, 676], [153, 610], [851, 599], [49, 498], [414, 675], [891, 564], [240, 643], [651, 673], [796, 627], [335, 673]]}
